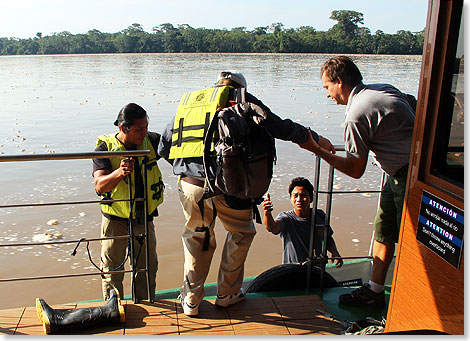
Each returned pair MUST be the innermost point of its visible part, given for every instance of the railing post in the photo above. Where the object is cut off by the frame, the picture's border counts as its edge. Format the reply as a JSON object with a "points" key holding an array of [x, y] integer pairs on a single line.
{"points": [[146, 228], [131, 237], [326, 227], [313, 228]]}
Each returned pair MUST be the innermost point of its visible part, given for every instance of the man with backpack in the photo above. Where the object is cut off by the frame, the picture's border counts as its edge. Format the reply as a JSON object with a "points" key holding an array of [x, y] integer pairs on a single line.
{"points": [[182, 144]]}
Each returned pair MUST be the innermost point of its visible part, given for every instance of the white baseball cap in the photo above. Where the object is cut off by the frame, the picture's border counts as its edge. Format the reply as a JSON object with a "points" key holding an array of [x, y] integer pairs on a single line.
{"points": [[237, 77]]}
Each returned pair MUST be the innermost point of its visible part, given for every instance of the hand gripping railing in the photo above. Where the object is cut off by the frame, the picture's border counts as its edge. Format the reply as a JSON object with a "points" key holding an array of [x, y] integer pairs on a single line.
{"points": [[323, 258], [131, 200]]}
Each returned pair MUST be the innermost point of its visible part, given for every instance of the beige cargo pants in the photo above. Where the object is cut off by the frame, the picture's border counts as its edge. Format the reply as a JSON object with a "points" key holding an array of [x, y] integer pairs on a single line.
{"points": [[113, 253], [240, 234]]}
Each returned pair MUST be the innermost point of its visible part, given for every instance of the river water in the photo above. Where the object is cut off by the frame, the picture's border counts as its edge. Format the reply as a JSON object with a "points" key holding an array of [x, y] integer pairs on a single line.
{"points": [[60, 104]]}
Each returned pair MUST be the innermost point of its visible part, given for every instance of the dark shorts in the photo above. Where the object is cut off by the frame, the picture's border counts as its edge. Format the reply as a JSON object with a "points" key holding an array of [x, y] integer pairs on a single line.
{"points": [[388, 218]]}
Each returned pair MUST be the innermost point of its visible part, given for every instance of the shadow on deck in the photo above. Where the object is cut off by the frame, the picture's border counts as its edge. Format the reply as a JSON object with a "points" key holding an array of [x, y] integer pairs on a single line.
{"points": [[291, 315]]}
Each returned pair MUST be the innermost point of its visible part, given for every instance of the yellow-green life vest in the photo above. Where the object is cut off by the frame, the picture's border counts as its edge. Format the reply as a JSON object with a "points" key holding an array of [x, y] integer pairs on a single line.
{"points": [[121, 191], [195, 112]]}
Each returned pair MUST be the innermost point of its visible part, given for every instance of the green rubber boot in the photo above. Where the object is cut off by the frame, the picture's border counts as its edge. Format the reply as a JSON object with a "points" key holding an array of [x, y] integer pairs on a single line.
{"points": [[63, 320]]}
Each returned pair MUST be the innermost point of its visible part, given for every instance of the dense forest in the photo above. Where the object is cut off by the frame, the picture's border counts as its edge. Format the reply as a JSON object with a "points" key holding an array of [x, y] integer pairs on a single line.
{"points": [[344, 37]]}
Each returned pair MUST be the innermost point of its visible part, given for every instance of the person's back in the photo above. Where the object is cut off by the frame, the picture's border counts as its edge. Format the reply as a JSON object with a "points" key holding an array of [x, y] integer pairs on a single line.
{"points": [[379, 119]]}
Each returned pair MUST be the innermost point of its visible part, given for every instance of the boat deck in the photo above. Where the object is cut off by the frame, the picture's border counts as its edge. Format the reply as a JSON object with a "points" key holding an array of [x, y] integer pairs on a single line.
{"points": [[291, 315]]}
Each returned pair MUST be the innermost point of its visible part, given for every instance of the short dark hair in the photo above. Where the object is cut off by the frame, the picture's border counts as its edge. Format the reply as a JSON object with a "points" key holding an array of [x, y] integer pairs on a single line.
{"points": [[301, 182], [342, 67], [128, 114]]}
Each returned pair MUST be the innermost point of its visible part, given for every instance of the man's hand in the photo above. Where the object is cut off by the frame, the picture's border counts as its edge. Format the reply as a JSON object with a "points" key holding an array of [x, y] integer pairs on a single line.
{"points": [[268, 220], [106, 181], [267, 204], [126, 167], [338, 262], [323, 144], [326, 144]]}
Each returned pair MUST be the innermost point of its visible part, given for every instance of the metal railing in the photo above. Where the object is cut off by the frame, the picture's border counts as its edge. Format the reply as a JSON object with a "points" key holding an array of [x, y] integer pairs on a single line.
{"points": [[90, 155], [322, 259]]}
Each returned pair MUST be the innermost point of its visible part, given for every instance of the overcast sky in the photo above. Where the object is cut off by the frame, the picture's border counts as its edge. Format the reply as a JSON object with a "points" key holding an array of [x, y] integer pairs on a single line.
{"points": [[24, 18]]}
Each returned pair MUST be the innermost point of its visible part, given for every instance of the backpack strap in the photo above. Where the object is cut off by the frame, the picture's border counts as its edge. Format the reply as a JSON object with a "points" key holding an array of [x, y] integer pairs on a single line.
{"points": [[208, 138], [240, 95], [256, 213], [205, 229]]}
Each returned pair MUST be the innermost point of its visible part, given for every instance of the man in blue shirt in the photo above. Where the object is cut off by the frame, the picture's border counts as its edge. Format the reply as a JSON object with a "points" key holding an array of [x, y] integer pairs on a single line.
{"points": [[294, 226]]}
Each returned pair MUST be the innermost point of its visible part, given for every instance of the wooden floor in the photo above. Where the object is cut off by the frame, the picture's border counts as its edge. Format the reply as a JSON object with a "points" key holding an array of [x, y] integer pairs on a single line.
{"points": [[295, 315]]}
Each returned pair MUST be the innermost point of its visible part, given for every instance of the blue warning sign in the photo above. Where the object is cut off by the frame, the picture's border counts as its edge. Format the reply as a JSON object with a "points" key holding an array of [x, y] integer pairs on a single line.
{"points": [[440, 228]]}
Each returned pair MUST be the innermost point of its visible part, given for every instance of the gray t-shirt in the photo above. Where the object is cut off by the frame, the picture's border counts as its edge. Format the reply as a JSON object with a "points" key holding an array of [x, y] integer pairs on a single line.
{"points": [[295, 234], [379, 119]]}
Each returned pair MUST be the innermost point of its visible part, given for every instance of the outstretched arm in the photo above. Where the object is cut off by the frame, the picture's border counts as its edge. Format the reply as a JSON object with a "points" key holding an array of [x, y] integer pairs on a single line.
{"points": [[351, 166], [271, 225], [323, 142]]}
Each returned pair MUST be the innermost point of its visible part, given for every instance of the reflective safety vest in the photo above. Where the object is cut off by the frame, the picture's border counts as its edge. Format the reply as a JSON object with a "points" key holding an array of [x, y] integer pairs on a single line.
{"points": [[121, 191], [195, 113]]}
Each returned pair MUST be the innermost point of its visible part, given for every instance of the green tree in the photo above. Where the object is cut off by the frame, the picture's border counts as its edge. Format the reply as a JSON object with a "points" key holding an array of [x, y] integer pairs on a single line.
{"points": [[260, 30], [344, 37], [134, 29], [306, 39], [347, 22], [101, 42]]}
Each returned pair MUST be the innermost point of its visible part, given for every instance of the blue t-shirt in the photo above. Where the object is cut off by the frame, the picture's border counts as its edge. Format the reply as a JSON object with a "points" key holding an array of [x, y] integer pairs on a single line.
{"points": [[295, 234]]}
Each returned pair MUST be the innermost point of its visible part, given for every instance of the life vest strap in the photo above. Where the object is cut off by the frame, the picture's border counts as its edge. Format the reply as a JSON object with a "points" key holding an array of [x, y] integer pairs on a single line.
{"points": [[186, 128], [186, 139]]}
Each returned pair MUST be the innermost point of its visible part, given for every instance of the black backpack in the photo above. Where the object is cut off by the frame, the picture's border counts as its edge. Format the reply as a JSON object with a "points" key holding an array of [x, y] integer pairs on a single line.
{"points": [[245, 151]]}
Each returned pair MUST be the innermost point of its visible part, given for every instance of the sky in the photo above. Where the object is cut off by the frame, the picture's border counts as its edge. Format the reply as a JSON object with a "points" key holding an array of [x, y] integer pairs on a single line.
{"points": [[24, 18]]}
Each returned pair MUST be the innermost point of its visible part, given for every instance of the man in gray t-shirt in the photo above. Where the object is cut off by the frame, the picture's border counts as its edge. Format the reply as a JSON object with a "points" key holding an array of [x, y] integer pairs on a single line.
{"points": [[380, 121], [294, 226]]}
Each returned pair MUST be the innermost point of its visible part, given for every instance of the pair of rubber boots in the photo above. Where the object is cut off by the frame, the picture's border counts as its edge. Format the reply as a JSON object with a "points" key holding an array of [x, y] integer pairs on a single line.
{"points": [[63, 320]]}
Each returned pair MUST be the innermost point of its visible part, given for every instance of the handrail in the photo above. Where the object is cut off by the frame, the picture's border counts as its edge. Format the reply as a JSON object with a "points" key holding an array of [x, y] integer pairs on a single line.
{"points": [[67, 203], [106, 154], [126, 236], [75, 156], [323, 258], [72, 156], [2, 280]]}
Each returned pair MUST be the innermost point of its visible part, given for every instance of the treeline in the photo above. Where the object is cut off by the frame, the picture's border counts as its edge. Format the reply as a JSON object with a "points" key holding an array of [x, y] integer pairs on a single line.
{"points": [[344, 37]]}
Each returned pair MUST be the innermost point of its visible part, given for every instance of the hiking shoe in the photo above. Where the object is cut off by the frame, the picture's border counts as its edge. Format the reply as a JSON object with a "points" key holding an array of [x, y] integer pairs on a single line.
{"points": [[227, 300], [189, 309], [363, 296]]}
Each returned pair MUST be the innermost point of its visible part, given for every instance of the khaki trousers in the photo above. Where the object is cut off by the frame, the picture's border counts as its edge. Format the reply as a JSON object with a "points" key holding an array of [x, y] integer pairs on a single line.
{"points": [[240, 234], [113, 253]]}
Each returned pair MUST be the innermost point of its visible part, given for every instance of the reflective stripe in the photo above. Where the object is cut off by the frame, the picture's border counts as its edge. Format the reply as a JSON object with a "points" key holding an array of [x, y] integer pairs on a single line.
{"points": [[214, 94]]}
